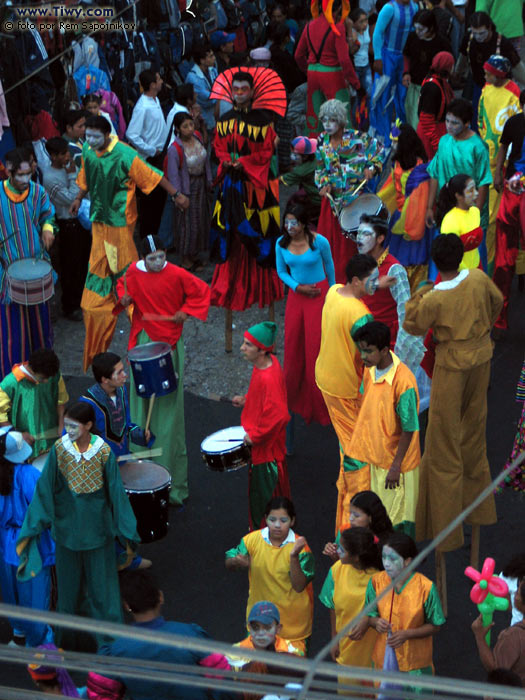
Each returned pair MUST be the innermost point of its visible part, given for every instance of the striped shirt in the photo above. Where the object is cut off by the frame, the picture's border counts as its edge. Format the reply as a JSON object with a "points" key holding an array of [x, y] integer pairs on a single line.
{"points": [[394, 24]]}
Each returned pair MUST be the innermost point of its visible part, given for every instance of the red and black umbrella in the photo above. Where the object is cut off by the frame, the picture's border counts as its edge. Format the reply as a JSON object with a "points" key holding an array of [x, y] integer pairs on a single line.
{"points": [[268, 89]]}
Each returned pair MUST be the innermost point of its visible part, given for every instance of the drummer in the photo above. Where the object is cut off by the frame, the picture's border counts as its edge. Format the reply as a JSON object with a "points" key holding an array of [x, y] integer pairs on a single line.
{"points": [[345, 158], [26, 223], [33, 398], [264, 418], [163, 296]]}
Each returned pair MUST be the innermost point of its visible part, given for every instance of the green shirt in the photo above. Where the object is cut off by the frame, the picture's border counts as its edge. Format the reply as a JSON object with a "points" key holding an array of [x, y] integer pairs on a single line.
{"points": [[506, 15]]}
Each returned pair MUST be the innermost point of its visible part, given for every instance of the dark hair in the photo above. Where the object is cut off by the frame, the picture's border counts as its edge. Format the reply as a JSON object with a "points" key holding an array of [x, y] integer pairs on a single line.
{"points": [[91, 97], [359, 542], [356, 14], [504, 676], [44, 361], [516, 567], [184, 92], [409, 148], [280, 502], [447, 195], [373, 333], [278, 31], [82, 412], [180, 118], [15, 158], [28, 149], [300, 212], [462, 109], [370, 503], [481, 19], [73, 116], [403, 544], [279, 6], [360, 266], [103, 365], [146, 78], [447, 252], [139, 590], [200, 53], [145, 248], [7, 469], [96, 121], [56, 146], [428, 19], [378, 223], [242, 77]]}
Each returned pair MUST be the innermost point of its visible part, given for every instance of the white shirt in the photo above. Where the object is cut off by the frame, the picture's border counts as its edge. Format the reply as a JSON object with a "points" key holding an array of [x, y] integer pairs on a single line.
{"points": [[147, 129], [361, 57], [169, 119]]}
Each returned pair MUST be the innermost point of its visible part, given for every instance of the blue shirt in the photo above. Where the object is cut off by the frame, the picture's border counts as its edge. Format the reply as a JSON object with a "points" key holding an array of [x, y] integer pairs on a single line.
{"points": [[310, 267]]}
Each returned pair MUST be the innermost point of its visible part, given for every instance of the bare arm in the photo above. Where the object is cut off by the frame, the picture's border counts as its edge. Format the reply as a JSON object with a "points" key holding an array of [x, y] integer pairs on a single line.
{"points": [[392, 478], [297, 576], [238, 563]]}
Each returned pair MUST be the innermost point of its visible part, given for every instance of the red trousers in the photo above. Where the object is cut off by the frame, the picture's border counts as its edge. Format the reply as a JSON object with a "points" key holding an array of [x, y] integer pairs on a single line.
{"points": [[510, 226], [342, 248]]}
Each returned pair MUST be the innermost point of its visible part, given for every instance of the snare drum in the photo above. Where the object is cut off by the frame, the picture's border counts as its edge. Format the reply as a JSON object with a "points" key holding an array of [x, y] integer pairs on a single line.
{"points": [[148, 486], [30, 281], [350, 216], [225, 451], [152, 368]]}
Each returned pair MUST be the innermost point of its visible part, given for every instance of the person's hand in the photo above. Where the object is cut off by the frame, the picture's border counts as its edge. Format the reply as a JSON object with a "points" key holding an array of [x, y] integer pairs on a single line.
{"points": [[479, 628], [309, 290], [48, 239], [300, 544], [247, 439], [407, 79], [243, 561], [227, 164], [382, 626], [325, 190], [429, 218], [369, 173], [358, 632], [386, 281], [181, 201], [125, 300], [378, 66], [397, 639], [238, 401], [28, 438], [180, 317], [75, 206], [334, 651], [147, 434], [330, 549], [237, 165], [392, 478], [498, 181]]}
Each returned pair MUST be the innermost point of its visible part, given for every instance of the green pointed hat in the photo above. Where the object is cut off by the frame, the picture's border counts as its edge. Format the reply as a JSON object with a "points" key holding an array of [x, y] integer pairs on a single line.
{"points": [[262, 335]]}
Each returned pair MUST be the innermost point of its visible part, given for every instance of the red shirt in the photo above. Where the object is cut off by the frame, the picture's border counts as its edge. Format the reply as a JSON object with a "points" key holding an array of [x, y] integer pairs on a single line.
{"points": [[382, 304]]}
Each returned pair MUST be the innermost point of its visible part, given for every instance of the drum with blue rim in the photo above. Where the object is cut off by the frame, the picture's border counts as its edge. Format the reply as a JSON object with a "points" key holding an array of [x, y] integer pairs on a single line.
{"points": [[153, 370]]}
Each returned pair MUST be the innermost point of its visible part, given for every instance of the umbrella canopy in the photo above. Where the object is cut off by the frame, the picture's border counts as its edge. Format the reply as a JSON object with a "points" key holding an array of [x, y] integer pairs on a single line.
{"points": [[268, 89]]}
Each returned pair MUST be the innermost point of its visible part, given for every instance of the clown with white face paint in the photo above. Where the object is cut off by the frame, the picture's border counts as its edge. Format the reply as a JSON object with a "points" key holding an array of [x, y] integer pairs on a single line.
{"points": [[407, 618], [163, 296], [345, 157]]}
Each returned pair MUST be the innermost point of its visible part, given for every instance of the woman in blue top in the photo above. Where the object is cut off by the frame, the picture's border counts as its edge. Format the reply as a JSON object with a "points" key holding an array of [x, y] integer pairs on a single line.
{"points": [[304, 263], [17, 485]]}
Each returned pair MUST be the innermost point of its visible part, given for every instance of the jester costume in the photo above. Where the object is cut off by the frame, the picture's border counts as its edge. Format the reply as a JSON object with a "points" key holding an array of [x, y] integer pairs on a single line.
{"points": [[496, 105], [110, 178], [245, 223], [23, 217]]}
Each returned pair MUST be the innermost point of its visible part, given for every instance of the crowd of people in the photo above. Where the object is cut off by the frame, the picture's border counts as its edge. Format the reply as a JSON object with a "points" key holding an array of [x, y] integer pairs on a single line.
{"points": [[401, 125]]}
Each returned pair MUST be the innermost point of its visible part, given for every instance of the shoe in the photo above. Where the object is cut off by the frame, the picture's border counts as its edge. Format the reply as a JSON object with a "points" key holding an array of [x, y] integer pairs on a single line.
{"points": [[75, 315]]}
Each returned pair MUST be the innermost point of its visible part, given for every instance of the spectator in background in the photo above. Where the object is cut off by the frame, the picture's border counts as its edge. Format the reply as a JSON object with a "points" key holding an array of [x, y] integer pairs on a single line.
{"points": [[302, 174], [202, 76], [361, 56], [261, 57], [222, 44], [444, 18], [421, 47], [74, 132], [91, 103], [186, 101], [279, 16], [73, 239], [507, 15], [147, 132], [282, 62]]}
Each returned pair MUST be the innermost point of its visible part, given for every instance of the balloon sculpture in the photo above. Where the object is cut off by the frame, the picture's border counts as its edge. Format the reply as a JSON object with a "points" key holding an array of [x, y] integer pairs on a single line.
{"points": [[489, 593]]}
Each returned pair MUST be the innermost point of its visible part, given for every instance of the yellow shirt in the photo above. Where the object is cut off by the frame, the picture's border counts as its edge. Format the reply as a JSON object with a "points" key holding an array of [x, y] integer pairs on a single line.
{"points": [[339, 369], [459, 221]]}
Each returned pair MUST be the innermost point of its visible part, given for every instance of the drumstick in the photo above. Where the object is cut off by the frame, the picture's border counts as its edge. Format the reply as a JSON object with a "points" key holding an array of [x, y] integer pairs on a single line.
{"points": [[218, 397], [150, 409], [359, 187], [156, 452], [47, 434]]}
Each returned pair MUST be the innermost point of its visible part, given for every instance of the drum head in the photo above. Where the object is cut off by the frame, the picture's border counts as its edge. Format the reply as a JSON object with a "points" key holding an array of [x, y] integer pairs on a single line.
{"points": [[40, 461], [149, 351], [220, 442], [366, 203], [143, 475], [29, 269]]}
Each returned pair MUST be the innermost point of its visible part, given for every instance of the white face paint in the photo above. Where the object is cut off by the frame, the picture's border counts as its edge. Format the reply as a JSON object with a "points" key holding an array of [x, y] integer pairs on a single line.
{"points": [[421, 31], [366, 238], [392, 561], [22, 179], [155, 261], [371, 282], [73, 429], [242, 92], [291, 225], [330, 126], [470, 193], [480, 35], [296, 157], [264, 635], [95, 139]]}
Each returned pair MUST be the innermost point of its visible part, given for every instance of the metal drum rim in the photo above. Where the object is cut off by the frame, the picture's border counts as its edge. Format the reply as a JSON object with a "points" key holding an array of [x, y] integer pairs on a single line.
{"points": [[166, 350]]}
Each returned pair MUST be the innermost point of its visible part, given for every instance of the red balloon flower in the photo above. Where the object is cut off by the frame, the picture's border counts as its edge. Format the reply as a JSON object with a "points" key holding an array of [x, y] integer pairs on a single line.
{"points": [[486, 582]]}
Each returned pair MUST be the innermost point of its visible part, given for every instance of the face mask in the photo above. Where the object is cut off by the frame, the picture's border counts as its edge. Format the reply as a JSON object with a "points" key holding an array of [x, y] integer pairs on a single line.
{"points": [[371, 283], [392, 562], [263, 638], [22, 179], [330, 126], [454, 126], [155, 261], [366, 239], [295, 158], [72, 429], [481, 36], [95, 139], [290, 224]]}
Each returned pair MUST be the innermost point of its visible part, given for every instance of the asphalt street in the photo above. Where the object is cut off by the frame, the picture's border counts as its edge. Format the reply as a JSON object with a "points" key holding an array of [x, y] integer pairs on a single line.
{"points": [[189, 561]]}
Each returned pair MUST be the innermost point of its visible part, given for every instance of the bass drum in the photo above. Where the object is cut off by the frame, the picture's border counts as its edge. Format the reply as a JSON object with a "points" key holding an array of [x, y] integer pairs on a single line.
{"points": [[148, 487]]}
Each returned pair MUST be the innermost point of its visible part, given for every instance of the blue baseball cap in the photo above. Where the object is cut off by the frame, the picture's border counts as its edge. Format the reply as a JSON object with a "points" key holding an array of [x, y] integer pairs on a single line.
{"points": [[265, 613], [219, 38], [16, 448]]}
